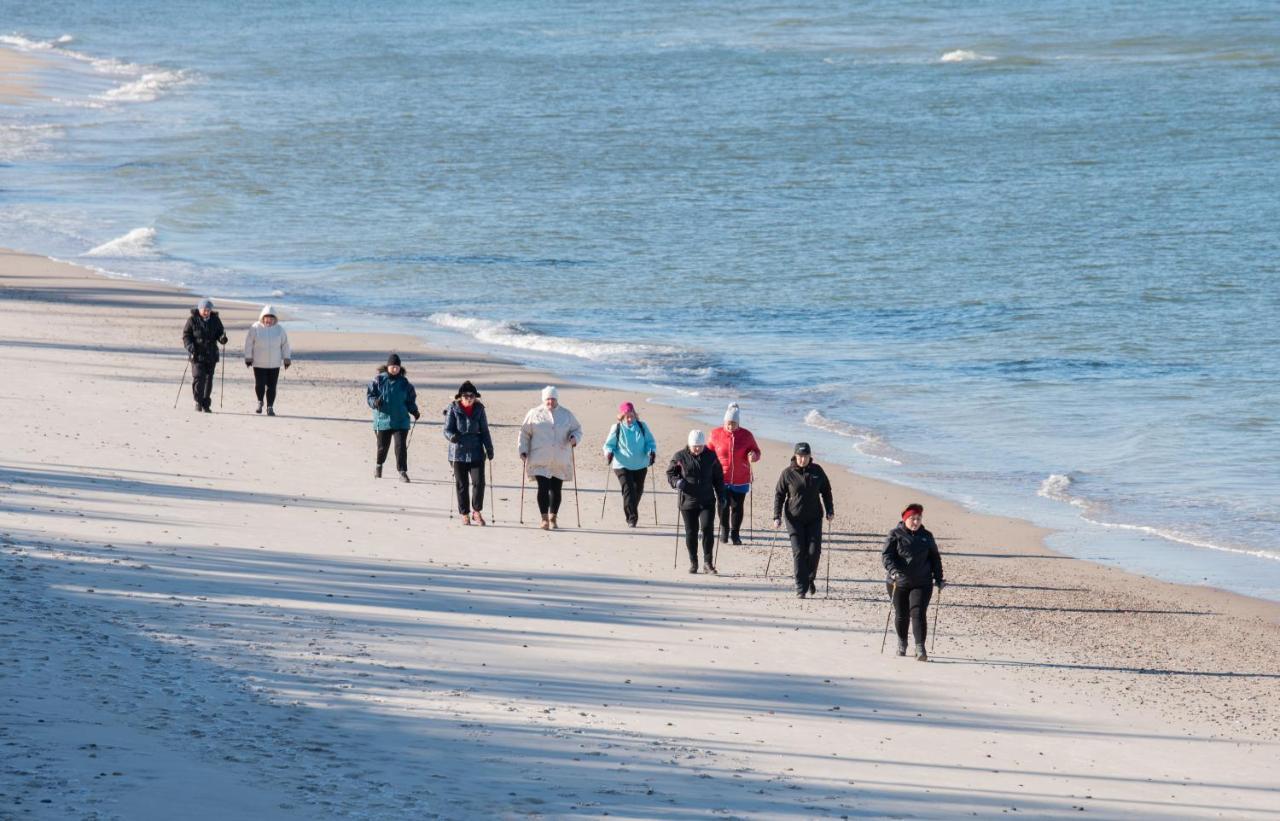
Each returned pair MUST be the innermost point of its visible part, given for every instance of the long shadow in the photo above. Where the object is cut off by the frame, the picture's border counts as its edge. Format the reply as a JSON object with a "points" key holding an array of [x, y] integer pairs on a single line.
{"points": [[1146, 671], [1098, 611]]}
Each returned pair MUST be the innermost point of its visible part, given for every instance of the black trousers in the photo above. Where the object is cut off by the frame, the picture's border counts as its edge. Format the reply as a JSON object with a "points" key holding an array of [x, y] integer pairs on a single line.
{"points": [[806, 550], [731, 516], [699, 520], [402, 447], [202, 382], [549, 494], [911, 604], [264, 381], [632, 482], [469, 479]]}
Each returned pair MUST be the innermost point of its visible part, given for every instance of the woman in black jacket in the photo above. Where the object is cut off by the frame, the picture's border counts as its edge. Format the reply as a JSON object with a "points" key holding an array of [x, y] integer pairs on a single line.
{"points": [[914, 566], [201, 336], [467, 428], [696, 473], [805, 491]]}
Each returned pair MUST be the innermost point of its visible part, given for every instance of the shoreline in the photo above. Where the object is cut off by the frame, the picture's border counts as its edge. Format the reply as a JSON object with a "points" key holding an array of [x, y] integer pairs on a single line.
{"points": [[254, 564]]}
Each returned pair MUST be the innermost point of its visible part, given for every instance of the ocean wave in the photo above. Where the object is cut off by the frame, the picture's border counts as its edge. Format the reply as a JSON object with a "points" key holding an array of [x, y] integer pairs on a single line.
{"points": [[140, 243], [147, 87], [869, 443], [24, 140], [27, 44], [964, 55], [1058, 488], [144, 83]]}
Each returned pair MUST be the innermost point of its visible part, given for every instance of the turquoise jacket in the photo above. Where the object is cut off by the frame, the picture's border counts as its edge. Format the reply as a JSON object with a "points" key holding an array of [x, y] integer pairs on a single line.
{"points": [[630, 445], [393, 400]]}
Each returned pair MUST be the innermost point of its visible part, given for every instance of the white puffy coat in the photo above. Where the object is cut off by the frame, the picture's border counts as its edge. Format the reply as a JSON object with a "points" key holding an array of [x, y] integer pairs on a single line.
{"points": [[268, 347], [545, 435]]}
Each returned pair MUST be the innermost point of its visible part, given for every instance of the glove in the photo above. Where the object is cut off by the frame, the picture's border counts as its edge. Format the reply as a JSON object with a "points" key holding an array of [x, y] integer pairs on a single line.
{"points": [[941, 583], [524, 457], [573, 443], [489, 455], [455, 438], [222, 340], [377, 404], [248, 363], [288, 362], [653, 457], [777, 521], [416, 416], [680, 485], [608, 458]]}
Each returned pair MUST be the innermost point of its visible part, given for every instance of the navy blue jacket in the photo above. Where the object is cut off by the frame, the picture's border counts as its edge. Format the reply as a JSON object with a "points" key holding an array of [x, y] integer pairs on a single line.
{"points": [[468, 436]]}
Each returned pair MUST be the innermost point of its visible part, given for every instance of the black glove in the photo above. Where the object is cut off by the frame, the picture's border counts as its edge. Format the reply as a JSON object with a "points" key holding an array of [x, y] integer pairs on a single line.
{"points": [[248, 363], [680, 485], [222, 340], [653, 457], [940, 583], [608, 458], [416, 416], [287, 363], [455, 439], [489, 455]]}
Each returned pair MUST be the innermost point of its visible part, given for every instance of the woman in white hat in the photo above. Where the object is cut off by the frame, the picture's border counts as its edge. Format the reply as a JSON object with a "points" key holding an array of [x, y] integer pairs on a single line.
{"points": [[695, 472], [266, 349], [548, 435]]}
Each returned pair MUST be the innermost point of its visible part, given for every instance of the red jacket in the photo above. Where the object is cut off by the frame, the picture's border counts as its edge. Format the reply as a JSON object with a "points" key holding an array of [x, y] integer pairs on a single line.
{"points": [[733, 449]]}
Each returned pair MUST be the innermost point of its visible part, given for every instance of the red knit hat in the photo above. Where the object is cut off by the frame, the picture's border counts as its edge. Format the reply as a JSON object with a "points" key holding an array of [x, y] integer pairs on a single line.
{"points": [[912, 508]]}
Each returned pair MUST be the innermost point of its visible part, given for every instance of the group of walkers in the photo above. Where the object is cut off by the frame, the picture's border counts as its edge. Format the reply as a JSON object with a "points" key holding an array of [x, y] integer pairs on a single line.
{"points": [[712, 475]]}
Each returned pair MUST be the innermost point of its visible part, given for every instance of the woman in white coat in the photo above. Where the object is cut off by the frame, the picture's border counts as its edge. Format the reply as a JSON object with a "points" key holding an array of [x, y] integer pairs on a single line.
{"points": [[266, 349], [548, 436]]}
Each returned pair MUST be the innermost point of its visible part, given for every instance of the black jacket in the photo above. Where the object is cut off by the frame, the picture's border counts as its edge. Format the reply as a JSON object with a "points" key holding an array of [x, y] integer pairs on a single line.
{"points": [[913, 557], [805, 491], [700, 479], [469, 439], [201, 336]]}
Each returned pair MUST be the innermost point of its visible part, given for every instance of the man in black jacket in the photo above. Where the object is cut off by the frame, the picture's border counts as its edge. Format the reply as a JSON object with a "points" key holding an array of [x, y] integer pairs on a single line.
{"points": [[696, 473], [202, 335], [805, 490], [914, 566]]}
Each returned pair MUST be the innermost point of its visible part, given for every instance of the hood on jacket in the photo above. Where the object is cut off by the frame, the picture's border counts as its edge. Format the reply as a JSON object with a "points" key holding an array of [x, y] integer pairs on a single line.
{"points": [[196, 313], [403, 371], [267, 310]]}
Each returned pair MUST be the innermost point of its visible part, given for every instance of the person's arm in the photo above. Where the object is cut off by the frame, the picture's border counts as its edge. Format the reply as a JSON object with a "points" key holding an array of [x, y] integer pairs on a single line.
{"points": [[411, 399], [188, 337], [779, 497], [650, 444], [373, 394], [825, 489], [450, 430], [525, 440], [717, 483], [610, 439], [286, 352], [935, 559], [222, 331], [892, 561], [486, 438], [575, 430], [753, 450], [249, 338], [675, 473]]}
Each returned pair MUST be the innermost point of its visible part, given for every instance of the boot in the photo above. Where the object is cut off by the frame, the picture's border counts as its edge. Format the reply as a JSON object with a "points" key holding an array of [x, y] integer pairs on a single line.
{"points": [[377, 471], [735, 538], [478, 519], [711, 568], [801, 593], [259, 410], [404, 476], [902, 647], [199, 407], [813, 588], [551, 519], [546, 522], [693, 567], [921, 655], [466, 520], [270, 411]]}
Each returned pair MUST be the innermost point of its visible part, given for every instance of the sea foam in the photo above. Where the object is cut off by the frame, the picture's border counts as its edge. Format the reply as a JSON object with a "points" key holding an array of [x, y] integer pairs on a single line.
{"points": [[964, 55], [141, 83], [140, 243], [868, 442]]}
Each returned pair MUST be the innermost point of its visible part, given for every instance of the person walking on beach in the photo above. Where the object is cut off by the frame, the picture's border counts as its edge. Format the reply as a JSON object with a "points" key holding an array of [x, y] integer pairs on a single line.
{"points": [[630, 450], [695, 472], [266, 349], [394, 400], [736, 449], [548, 435], [201, 336], [802, 494], [467, 428], [914, 566]]}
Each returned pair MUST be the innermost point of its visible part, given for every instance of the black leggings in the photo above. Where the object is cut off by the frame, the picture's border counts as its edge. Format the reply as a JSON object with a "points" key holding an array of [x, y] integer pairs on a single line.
{"points": [[699, 519], [806, 550], [632, 482], [549, 494], [911, 604], [731, 516], [264, 381], [469, 476], [402, 449]]}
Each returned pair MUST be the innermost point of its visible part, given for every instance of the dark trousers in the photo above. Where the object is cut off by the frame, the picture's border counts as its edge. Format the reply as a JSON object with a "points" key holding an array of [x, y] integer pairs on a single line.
{"points": [[806, 550], [632, 482], [549, 494], [402, 448], [731, 516], [264, 381], [911, 603], [695, 521], [202, 382], [469, 478]]}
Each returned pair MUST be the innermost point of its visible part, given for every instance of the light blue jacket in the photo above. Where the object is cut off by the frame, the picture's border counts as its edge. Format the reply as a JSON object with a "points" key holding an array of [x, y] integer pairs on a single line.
{"points": [[630, 445]]}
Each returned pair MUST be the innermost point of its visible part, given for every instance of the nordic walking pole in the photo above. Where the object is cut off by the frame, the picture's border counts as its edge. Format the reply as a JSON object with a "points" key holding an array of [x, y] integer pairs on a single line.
{"points": [[573, 454], [888, 616], [522, 478], [937, 612], [493, 492], [828, 590], [184, 381], [675, 562], [751, 507], [653, 476], [222, 394], [604, 492]]}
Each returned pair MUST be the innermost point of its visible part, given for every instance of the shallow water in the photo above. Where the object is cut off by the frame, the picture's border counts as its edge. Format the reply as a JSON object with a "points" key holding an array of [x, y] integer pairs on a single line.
{"points": [[1021, 255]]}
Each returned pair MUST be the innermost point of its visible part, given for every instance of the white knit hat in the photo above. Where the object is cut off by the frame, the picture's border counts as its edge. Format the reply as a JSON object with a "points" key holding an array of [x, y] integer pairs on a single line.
{"points": [[731, 413], [267, 310], [697, 437], [549, 392]]}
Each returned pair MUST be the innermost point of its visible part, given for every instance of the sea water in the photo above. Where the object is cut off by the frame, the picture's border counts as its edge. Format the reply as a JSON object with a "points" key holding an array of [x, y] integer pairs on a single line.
{"points": [[1020, 254]]}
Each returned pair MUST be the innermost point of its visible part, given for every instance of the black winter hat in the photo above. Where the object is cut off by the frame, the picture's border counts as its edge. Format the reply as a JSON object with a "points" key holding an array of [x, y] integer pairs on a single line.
{"points": [[394, 359], [802, 449], [467, 387]]}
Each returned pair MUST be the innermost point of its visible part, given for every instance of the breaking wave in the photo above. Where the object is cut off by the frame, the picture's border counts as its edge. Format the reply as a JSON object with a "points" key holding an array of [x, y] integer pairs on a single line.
{"points": [[964, 55], [140, 243], [869, 443], [138, 83]]}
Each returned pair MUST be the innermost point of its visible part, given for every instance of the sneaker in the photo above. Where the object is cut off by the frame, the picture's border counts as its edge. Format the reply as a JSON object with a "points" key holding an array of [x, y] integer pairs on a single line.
{"points": [[270, 411], [476, 518], [199, 408], [801, 593], [551, 520], [466, 520], [921, 655], [711, 568], [377, 471], [208, 409], [693, 567], [546, 523], [735, 539], [259, 410], [902, 647], [404, 476]]}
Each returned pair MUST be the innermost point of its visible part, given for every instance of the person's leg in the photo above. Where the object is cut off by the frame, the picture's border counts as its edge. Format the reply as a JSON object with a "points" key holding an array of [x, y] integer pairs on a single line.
{"points": [[259, 383], [554, 487], [813, 537], [725, 513], [477, 485], [208, 384], [736, 505], [402, 450], [901, 610], [544, 495], [272, 378], [690, 518], [637, 477], [707, 524], [630, 499], [460, 479], [383, 438], [197, 382], [799, 559], [919, 599]]}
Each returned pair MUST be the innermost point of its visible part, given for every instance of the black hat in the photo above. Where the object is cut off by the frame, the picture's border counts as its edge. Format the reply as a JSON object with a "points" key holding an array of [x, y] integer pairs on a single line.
{"points": [[802, 448], [467, 387], [394, 359]]}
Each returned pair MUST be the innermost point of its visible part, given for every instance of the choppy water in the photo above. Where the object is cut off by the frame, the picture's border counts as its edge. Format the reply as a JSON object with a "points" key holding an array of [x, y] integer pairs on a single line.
{"points": [[1021, 254]]}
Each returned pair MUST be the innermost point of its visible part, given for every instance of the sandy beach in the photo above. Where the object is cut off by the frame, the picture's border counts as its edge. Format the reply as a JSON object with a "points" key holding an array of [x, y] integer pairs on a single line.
{"points": [[226, 616]]}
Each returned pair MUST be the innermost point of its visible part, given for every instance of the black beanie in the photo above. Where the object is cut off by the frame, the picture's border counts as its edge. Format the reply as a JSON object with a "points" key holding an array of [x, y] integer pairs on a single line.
{"points": [[394, 359], [467, 387], [802, 448]]}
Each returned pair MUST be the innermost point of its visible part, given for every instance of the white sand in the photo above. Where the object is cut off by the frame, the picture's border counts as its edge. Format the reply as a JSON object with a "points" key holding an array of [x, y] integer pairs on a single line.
{"points": [[226, 616]]}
